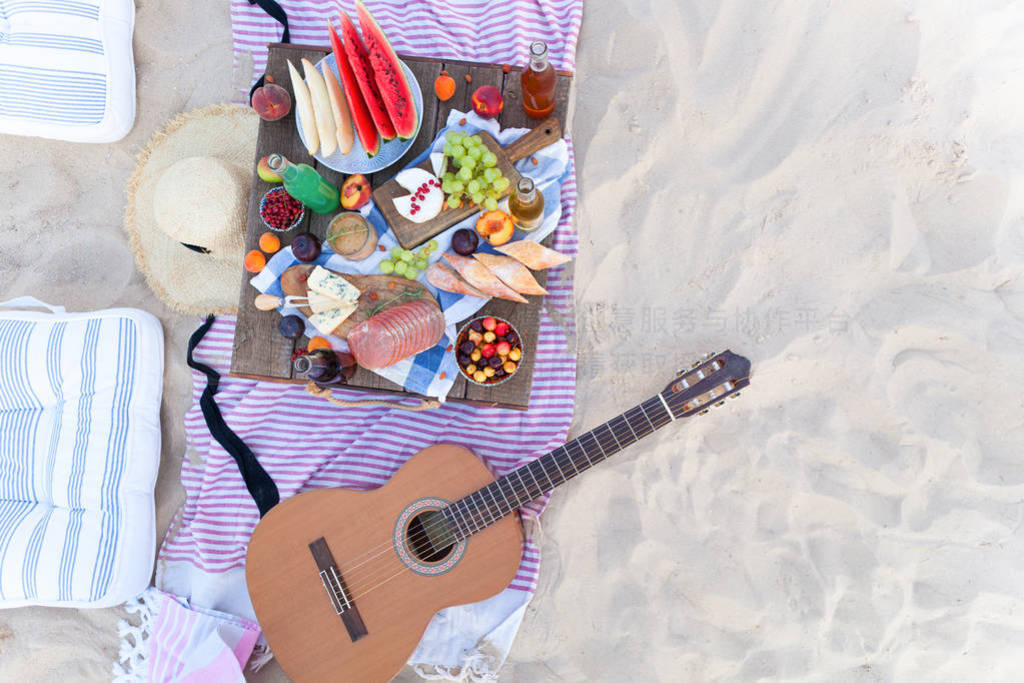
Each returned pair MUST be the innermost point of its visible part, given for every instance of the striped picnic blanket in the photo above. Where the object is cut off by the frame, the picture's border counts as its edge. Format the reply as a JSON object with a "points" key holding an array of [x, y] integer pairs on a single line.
{"points": [[490, 31]]}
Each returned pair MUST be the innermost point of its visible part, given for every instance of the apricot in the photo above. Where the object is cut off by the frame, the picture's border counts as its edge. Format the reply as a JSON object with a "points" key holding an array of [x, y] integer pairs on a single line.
{"points": [[254, 261], [444, 86], [269, 242], [496, 227], [318, 343]]}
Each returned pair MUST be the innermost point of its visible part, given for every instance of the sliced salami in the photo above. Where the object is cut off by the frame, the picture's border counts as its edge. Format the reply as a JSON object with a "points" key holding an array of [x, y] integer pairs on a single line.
{"points": [[396, 334]]}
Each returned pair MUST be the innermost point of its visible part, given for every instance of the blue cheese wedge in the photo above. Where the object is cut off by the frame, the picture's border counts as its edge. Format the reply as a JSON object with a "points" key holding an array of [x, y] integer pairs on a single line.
{"points": [[328, 321], [321, 304], [323, 281]]}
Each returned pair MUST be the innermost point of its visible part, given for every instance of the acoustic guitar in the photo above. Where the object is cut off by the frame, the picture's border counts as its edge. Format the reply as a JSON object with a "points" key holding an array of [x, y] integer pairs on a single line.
{"points": [[345, 582]]}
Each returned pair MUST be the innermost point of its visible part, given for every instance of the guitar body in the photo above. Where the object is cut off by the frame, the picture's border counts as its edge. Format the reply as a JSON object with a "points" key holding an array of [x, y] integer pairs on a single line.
{"points": [[393, 584]]}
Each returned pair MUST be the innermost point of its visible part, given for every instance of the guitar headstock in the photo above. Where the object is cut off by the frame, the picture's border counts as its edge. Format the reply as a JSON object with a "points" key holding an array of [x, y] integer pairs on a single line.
{"points": [[707, 383]]}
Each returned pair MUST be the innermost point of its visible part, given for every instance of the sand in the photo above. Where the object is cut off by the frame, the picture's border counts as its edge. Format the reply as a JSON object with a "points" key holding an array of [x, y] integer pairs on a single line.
{"points": [[833, 190]]}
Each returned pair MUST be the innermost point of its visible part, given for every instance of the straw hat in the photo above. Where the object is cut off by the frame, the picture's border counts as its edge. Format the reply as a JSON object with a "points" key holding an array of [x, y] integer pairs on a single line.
{"points": [[187, 204]]}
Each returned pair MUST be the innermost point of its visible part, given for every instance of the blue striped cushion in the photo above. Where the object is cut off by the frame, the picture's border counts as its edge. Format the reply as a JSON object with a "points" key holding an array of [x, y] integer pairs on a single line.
{"points": [[66, 68], [79, 448]]}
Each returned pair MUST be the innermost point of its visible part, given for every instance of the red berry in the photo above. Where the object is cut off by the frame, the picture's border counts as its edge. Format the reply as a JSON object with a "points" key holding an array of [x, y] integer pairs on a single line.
{"points": [[489, 323], [487, 350], [501, 329], [502, 347]]}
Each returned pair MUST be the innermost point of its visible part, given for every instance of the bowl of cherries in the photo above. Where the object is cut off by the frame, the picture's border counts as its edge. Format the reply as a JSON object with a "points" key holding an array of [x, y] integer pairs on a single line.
{"points": [[488, 350]]}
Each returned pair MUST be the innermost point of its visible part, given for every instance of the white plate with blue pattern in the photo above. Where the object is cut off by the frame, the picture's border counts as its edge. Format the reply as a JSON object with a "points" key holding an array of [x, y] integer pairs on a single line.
{"points": [[356, 160]]}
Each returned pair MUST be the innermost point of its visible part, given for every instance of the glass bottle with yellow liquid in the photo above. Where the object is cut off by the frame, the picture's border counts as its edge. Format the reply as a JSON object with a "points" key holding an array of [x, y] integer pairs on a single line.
{"points": [[526, 205]]}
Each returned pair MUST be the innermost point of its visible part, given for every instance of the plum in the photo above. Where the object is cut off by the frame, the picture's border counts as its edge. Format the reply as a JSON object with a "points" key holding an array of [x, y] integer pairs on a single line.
{"points": [[464, 242], [306, 246], [291, 327]]}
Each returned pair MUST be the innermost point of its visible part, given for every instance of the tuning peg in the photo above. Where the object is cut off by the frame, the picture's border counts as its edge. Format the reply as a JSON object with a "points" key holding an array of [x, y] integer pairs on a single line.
{"points": [[720, 403], [707, 355], [732, 396], [705, 411]]}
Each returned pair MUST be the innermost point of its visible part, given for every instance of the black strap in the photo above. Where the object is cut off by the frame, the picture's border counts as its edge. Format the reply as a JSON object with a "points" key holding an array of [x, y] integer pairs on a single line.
{"points": [[276, 12], [261, 487]]}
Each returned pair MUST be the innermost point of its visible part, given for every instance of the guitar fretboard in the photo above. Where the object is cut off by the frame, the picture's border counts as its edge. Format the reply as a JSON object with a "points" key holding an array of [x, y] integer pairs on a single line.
{"points": [[487, 505]]}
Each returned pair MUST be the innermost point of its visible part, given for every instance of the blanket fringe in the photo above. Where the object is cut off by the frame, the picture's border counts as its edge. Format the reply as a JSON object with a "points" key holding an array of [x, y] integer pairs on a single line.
{"points": [[261, 654], [132, 665], [476, 667]]}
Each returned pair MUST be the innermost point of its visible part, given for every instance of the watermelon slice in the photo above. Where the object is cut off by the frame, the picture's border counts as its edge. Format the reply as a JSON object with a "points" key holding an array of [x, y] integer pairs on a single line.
{"points": [[361, 118], [359, 60], [391, 82]]}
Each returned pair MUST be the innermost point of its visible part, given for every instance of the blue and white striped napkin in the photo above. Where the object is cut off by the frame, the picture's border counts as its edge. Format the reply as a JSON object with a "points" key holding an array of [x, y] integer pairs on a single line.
{"points": [[433, 371]]}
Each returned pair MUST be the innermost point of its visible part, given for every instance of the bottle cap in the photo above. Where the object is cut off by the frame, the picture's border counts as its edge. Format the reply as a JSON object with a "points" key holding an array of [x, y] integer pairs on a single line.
{"points": [[302, 364]]}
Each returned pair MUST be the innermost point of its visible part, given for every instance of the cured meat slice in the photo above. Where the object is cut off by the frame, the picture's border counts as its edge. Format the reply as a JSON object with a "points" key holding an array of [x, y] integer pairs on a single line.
{"points": [[511, 272], [533, 255], [443, 277], [478, 275], [396, 334]]}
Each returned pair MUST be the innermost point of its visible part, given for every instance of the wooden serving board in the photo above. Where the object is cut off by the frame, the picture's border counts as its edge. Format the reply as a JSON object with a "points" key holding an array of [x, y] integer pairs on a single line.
{"points": [[259, 352], [410, 234], [377, 293]]}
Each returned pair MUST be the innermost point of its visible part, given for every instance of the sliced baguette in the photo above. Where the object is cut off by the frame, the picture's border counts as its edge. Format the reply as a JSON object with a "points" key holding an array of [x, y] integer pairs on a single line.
{"points": [[304, 108], [321, 109]]}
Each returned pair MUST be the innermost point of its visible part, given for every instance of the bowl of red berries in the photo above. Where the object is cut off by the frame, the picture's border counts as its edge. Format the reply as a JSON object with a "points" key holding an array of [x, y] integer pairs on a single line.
{"points": [[280, 211], [488, 350]]}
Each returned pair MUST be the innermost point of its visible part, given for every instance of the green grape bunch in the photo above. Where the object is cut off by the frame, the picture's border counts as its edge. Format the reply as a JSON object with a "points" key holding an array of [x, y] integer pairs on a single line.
{"points": [[472, 174], [408, 264]]}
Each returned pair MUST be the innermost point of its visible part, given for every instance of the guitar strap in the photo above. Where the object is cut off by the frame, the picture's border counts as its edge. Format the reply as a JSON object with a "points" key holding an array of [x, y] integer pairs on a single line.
{"points": [[276, 12], [261, 487]]}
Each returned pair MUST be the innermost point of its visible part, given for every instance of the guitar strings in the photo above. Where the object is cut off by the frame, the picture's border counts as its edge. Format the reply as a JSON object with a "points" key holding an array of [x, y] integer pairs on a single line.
{"points": [[363, 592], [477, 517], [614, 444], [480, 522]]}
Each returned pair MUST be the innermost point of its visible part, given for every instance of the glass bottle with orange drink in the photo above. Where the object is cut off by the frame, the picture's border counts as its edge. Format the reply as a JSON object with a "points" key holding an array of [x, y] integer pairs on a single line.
{"points": [[538, 82]]}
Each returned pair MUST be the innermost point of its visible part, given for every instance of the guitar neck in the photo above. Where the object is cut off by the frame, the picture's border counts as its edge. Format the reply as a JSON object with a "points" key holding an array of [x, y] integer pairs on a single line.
{"points": [[487, 505]]}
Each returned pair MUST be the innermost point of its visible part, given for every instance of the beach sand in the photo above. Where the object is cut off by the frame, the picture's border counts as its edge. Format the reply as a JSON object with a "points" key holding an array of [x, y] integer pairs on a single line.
{"points": [[833, 190]]}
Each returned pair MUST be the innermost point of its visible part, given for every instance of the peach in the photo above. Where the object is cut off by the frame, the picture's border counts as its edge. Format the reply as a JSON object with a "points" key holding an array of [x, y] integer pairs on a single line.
{"points": [[496, 227], [265, 174], [487, 101], [271, 102], [355, 191]]}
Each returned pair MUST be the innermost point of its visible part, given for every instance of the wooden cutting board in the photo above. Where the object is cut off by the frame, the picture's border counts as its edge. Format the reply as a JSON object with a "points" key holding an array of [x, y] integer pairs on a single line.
{"points": [[410, 235], [376, 293]]}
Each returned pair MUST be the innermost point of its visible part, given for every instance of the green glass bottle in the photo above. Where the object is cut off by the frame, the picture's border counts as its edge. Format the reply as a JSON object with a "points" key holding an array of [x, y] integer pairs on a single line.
{"points": [[302, 182]]}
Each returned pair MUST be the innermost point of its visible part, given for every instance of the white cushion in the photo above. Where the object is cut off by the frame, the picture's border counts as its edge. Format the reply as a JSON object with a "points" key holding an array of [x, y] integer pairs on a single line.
{"points": [[67, 69], [79, 453]]}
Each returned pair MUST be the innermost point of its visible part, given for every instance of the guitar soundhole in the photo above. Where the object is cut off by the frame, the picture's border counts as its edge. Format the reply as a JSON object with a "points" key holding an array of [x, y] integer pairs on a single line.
{"points": [[428, 537]]}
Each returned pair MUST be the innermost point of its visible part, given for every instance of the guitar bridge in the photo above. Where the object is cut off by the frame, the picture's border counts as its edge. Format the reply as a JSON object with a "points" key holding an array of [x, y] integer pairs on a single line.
{"points": [[336, 589]]}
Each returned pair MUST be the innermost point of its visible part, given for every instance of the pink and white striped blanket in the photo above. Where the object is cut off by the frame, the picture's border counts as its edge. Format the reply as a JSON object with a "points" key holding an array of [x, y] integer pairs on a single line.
{"points": [[489, 31], [305, 443]]}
